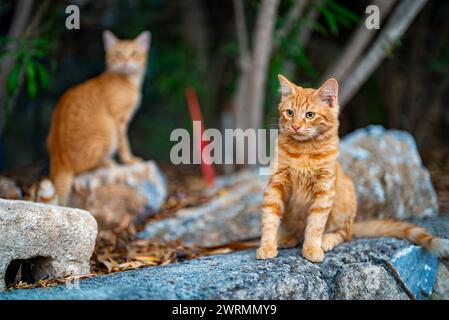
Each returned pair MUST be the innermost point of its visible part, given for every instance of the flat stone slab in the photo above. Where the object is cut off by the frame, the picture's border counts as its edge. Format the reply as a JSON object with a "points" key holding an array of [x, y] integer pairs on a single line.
{"points": [[363, 269]]}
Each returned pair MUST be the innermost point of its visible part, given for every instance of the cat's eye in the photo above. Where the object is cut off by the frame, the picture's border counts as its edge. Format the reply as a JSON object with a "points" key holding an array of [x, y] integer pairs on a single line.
{"points": [[117, 53], [289, 112], [310, 115], [133, 53]]}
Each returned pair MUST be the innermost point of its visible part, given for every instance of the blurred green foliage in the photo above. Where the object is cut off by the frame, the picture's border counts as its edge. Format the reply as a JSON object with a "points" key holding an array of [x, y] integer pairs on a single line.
{"points": [[27, 55], [336, 15], [32, 63], [175, 63]]}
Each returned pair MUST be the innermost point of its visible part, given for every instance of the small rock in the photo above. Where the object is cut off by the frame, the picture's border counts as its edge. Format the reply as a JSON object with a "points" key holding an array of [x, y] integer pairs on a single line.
{"points": [[111, 194], [59, 241], [384, 165], [9, 189]]}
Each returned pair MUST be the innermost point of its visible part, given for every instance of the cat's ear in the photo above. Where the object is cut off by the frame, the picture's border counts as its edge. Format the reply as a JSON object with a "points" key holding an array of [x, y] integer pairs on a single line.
{"points": [[109, 40], [287, 87], [144, 40], [328, 92]]}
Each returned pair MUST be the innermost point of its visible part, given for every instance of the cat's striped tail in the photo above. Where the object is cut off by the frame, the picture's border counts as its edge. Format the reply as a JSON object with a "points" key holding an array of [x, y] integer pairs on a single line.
{"points": [[402, 230]]}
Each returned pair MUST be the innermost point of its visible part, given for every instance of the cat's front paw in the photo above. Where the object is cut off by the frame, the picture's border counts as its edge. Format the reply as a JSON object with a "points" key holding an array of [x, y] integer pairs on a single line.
{"points": [[313, 254], [266, 252], [329, 242]]}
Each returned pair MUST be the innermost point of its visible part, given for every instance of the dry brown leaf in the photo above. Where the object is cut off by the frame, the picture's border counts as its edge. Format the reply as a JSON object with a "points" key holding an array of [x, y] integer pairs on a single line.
{"points": [[130, 265], [147, 259], [220, 251]]}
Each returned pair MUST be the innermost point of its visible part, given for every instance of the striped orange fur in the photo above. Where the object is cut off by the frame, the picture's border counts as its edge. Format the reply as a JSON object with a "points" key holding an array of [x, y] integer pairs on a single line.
{"points": [[309, 198], [89, 125]]}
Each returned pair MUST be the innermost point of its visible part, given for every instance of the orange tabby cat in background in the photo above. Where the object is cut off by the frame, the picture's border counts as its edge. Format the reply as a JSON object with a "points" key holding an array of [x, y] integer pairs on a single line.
{"points": [[309, 198], [90, 122]]}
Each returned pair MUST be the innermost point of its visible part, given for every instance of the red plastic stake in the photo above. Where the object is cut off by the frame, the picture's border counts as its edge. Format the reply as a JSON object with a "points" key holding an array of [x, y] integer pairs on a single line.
{"points": [[195, 113]]}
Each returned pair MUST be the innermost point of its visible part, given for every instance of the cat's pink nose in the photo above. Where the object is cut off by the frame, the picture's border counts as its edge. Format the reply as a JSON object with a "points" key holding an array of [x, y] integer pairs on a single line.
{"points": [[295, 127]]}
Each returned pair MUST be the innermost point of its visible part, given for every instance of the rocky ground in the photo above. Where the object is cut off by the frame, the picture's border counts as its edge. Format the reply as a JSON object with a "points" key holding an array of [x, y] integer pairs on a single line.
{"points": [[390, 179], [363, 269]]}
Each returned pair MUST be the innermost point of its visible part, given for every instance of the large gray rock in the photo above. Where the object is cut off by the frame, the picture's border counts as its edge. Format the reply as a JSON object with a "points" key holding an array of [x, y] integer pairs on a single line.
{"points": [[388, 173], [120, 192], [234, 215], [362, 269], [384, 165], [58, 241]]}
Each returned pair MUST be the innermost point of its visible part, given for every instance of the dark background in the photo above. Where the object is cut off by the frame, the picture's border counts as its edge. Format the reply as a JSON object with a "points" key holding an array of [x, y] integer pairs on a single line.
{"points": [[194, 43]]}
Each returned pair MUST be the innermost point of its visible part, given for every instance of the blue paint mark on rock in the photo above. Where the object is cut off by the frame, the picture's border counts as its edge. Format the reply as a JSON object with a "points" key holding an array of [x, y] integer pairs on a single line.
{"points": [[417, 269]]}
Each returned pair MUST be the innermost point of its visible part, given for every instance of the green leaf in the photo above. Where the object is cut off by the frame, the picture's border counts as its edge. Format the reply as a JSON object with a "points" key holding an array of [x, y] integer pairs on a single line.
{"points": [[43, 74], [344, 13], [331, 20], [319, 28], [13, 79], [31, 79]]}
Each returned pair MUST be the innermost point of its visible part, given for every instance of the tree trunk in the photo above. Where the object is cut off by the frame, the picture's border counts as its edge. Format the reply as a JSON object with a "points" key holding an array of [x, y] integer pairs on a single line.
{"points": [[304, 35], [398, 23], [310, 20], [358, 43], [196, 30], [293, 15], [250, 96], [262, 49], [244, 64]]}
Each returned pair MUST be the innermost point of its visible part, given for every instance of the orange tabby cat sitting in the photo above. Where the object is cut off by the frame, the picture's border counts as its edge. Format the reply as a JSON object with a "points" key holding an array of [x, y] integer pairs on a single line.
{"points": [[309, 198], [90, 122]]}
